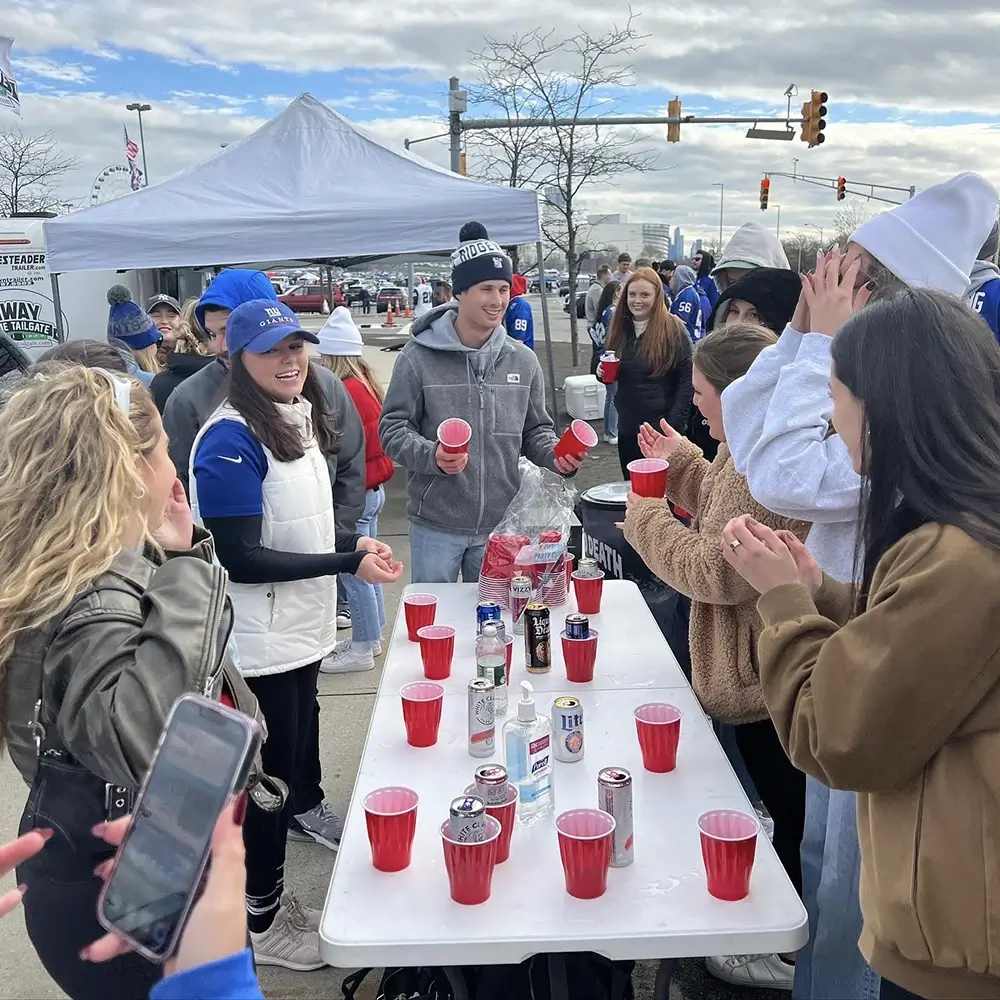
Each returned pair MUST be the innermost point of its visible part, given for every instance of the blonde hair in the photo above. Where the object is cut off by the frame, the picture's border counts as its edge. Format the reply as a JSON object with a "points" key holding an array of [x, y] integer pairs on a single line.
{"points": [[727, 353], [344, 366], [146, 359], [192, 337], [70, 492]]}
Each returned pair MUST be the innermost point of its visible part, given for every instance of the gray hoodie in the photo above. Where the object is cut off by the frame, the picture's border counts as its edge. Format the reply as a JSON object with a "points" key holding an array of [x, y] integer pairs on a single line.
{"points": [[752, 245], [982, 272], [498, 389]]}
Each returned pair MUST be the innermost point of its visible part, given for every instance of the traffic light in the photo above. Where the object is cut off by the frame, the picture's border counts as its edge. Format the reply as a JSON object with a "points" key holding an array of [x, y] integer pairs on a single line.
{"points": [[674, 111], [841, 188], [765, 189], [814, 119]]}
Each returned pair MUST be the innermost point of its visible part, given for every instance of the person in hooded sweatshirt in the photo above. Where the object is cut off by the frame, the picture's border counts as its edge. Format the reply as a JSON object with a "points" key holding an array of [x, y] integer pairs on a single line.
{"points": [[983, 293], [779, 434], [461, 363], [764, 295], [519, 322], [704, 263], [687, 302], [751, 246]]}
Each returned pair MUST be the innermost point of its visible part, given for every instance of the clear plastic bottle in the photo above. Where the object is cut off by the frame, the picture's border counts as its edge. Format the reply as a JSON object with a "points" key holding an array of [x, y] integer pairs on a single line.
{"points": [[527, 742], [491, 662]]}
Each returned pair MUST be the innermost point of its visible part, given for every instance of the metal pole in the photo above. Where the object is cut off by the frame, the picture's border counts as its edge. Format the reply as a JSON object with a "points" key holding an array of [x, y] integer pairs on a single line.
{"points": [[799, 266], [57, 308], [777, 228], [142, 142], [722, 211], [454, 127], [550, 360], [409, 279]]}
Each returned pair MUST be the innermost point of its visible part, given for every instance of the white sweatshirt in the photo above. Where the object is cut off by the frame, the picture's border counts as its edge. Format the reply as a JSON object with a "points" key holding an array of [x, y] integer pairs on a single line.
{"points": [[777, 420]]}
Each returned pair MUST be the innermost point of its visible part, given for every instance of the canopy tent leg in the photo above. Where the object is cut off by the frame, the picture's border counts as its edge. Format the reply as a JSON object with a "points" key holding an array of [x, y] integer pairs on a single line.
{"points": [[554, 402], [57, 309]]}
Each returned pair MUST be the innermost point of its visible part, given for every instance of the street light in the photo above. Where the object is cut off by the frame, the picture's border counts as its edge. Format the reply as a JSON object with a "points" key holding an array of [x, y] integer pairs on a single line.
{"points": [[777, 227], [139, 108], [812, 225], [722, 208]]}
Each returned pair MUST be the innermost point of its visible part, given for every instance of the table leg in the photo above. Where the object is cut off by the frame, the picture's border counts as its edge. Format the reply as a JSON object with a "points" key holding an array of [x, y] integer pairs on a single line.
{"points": [[457, 982], [661, 990], [558, 981]]}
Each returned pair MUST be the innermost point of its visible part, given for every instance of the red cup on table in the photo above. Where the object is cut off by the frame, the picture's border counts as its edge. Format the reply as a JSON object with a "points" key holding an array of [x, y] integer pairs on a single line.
{"points": [[588, 591], [728, 847], [569, 559], [649, 477], [454, 435], [419, 610], [470, 864], [609, 367], [422, 704], [578, 439], [391, 816], [658, 726], [506, 816], [437, 649], [580, 655], [585, 850]]}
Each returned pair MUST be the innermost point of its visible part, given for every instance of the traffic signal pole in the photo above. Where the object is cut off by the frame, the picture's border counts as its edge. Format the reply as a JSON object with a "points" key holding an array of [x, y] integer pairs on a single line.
{"points": [[834, 182]]}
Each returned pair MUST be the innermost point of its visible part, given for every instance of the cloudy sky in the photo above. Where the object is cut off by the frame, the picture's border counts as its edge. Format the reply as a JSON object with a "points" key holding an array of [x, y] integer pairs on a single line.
{"points": [[912, 85]]}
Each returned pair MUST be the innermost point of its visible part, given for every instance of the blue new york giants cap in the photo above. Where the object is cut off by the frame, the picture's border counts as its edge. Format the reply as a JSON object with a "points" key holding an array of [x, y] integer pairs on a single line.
{"points": [[261, 324]]}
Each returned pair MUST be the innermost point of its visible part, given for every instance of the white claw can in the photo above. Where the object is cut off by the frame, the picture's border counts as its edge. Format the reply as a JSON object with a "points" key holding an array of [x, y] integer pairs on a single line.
{"points": [[482, 717]]}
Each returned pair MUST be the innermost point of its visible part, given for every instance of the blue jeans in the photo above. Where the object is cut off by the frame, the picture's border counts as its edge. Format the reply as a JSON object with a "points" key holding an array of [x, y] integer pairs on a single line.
{"points": [[611, 411], [365, 599], [439, 556], [831, 964]]}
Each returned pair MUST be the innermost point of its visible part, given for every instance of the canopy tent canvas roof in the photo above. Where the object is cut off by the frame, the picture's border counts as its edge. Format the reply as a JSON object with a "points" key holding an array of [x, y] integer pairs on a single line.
{"points": [[308, 184]]}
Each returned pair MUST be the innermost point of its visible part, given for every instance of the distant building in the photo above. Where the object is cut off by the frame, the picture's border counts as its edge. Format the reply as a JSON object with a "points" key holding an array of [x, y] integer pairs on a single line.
{"points": [[677, 245], [657, 236], [628, 237]]}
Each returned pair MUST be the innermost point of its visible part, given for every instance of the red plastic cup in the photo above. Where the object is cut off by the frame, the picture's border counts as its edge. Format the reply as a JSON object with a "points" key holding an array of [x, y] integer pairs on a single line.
{"points": [[580, 655], [585, 849], [649, 477], [437, 648], [391, 815], [659, 728], [454, 435], [569, 560], [588, 590], [578, 439], [506, 816], [420, 610], [422, 712], [728, 846], [470, 865], [609, 367], [508, 649]]}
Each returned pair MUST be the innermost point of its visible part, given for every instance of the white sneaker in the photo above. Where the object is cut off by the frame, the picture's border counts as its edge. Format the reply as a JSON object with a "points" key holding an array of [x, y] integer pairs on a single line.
{"points": [[343, 618], [353, 658], [376, 647], [610, 440], [764, 971], [302, 916], [288, 942]]}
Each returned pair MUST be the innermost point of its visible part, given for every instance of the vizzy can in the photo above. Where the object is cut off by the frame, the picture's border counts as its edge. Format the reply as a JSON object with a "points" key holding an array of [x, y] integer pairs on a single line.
{"points": [[520, 595], [577, 627], [491, 784], [537, 639], [487, 611], [482, 717], [468, 819], [567, 729], [614, 795]]}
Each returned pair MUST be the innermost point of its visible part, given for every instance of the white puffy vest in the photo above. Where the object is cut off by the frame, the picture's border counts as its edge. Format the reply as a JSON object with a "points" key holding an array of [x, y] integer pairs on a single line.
{"points": [[282, 626]]}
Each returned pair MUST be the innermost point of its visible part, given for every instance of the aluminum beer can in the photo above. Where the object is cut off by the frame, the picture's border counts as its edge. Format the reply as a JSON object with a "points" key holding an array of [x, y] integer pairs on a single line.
{"points": [[468, 819], [491, 784], [520, 595], [588, 569], [537, 639], [577, 627], [482, 717], [567, 729], [614, 795], [486, 611]]}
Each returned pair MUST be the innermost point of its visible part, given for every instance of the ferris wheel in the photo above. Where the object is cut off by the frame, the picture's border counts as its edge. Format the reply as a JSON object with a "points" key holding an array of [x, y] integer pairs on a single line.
{"points": [[112, 182]]}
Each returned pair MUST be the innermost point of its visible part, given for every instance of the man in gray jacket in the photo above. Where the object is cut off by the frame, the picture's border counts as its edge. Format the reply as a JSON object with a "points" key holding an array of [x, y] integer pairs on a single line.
{"points": [[461, 363]]}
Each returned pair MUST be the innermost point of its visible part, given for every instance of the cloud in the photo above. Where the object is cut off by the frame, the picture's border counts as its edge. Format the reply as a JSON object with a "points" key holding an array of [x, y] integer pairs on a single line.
{"points": [[48, 69]]}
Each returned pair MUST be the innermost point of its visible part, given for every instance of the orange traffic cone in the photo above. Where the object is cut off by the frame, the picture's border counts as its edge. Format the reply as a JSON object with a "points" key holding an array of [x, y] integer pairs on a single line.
{"points": [[409, 311], [390, 320]]}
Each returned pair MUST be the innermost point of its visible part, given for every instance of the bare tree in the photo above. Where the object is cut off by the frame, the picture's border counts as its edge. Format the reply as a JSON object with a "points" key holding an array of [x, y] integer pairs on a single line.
{"points": [[801, 250], [854, 214], [31, 167], [568, 79]]}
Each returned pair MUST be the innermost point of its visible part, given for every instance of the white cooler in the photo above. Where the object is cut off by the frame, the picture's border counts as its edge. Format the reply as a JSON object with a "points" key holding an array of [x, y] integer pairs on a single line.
{"points": [[584, 397]]}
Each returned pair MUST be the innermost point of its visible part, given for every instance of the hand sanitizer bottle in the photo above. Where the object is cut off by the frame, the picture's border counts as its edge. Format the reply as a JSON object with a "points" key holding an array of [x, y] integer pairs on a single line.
{"points": [[527, 741]]}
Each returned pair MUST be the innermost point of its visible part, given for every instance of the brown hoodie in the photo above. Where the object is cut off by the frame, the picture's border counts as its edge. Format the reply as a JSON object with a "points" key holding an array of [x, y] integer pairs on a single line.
{"points": [[724, 619]]}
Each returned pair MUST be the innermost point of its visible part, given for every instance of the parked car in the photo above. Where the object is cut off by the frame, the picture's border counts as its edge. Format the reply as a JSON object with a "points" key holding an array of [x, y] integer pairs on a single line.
{"points": [[311, 298], [390, 295]]}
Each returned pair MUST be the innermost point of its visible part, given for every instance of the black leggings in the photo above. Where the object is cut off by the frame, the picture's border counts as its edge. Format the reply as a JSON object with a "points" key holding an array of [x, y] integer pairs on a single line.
{"points": [[782, 789], [288, 701], [307, 792]]}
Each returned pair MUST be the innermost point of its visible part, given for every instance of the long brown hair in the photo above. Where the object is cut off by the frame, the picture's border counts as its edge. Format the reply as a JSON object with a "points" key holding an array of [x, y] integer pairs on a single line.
{"points": [[257, 408], [727, 353], [665, 341], [345, 366]]}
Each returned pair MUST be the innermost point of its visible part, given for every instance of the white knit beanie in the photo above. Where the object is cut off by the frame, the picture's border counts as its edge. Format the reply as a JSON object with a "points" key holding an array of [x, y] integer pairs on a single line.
{"points": [[932, 240], [340, 335]]}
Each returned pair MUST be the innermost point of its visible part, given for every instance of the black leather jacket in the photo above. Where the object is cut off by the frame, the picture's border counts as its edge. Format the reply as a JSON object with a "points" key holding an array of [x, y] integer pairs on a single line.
{"points": [[109, 669]]}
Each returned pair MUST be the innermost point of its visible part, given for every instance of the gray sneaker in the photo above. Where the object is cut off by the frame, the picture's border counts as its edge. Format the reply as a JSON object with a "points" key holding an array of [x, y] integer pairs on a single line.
{"points": [[320, 824], [288, 942], [301, 916]]}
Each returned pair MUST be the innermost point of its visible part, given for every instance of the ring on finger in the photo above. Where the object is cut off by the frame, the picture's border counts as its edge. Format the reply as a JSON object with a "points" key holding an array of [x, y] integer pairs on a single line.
{"points": [[735, 544]]}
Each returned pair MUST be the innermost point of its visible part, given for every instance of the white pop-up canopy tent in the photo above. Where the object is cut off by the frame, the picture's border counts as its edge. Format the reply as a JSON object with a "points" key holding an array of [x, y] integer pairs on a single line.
{"points": [[307, 185]]}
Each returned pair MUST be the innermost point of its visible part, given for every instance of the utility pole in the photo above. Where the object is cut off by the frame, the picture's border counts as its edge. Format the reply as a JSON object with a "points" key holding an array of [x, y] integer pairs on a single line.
{"points": [[777, 227], [834, 182], [138, 109], [812, 225], [458, 103], [722, 209]]}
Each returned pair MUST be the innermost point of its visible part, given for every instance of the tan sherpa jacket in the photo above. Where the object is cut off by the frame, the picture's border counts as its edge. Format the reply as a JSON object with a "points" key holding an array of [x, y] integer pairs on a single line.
{"points": [[724, 619]]}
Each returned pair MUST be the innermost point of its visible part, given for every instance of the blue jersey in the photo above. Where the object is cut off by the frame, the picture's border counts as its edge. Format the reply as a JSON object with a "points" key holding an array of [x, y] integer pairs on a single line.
{"points": [[519, 322], [687, 307], [707, 286], [229, 468], [986, 302]]}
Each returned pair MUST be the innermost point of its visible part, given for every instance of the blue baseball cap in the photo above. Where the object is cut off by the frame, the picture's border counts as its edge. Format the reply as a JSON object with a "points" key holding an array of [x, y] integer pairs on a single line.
{"points": [[261, 324]]}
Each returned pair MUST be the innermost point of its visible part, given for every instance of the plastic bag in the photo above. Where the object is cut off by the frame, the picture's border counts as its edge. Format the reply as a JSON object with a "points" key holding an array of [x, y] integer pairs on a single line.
{"points": [[531, 540]]}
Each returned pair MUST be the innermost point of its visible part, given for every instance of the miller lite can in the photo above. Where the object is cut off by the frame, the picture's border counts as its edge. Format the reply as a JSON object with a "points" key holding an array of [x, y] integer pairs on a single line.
{"points": [[567, 729]]}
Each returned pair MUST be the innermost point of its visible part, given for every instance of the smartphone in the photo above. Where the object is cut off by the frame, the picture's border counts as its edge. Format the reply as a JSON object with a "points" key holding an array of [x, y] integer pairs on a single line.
{"points": [[203, 758]]}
